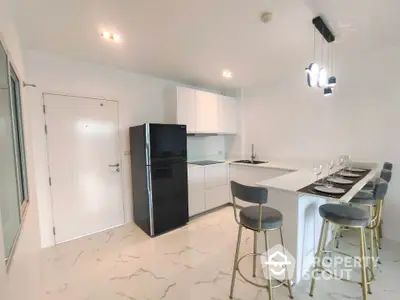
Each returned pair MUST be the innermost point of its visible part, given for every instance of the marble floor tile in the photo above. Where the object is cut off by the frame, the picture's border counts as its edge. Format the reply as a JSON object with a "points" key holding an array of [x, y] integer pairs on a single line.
{"points": [[191, 263]]}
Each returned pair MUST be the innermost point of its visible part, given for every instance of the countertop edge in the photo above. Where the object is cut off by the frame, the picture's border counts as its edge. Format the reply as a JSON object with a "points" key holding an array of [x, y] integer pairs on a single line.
{"points": [[264, 166]]}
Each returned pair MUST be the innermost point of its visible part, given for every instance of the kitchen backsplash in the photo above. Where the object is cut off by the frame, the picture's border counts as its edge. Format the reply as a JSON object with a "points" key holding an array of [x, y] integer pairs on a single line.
{"points": [[206, 148]]}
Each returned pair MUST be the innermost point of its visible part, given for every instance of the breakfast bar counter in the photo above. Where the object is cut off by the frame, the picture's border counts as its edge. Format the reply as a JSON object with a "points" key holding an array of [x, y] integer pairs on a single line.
{"points": [[302, 222]]}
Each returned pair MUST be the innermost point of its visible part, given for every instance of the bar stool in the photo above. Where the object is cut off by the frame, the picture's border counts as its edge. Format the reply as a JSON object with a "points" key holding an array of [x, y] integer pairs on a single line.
{"points": [[354, 218], [370, 184], [256, 218], [386, 174], [370, 200], [388, 166]]}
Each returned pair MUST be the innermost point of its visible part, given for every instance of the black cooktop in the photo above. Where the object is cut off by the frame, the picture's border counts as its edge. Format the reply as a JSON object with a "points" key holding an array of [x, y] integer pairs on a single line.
{"points": [[205, 162]]}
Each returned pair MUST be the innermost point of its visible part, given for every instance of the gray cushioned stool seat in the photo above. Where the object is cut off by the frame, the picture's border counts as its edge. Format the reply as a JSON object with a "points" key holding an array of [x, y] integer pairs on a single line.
{"points": [[345, 215], [371, 201], [365, 198], [270, 219], [364, 195], [369, 186]]}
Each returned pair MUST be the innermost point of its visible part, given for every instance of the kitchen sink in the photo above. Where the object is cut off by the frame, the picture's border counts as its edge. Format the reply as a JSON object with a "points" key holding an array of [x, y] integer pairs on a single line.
{"points": [[254, 162]]}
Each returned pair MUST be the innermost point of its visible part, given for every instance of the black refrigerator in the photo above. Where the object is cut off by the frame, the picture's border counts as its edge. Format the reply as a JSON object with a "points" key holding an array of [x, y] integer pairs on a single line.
{"points": [[159, 177]]}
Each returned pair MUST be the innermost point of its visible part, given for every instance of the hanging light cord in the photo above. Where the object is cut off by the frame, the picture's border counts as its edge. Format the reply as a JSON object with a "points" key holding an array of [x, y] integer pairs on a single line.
{"points": [[314, 45], [322, 50], [333, 59]]}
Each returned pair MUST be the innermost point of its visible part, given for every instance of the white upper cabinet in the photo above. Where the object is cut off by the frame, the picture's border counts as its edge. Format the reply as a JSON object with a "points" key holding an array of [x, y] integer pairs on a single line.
{"points": [[186, 108], [227, 115], [206, 112]]}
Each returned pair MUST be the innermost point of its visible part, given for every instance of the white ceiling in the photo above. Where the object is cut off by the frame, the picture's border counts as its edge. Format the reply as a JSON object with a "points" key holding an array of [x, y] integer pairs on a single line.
{"points": [[193, 40]]}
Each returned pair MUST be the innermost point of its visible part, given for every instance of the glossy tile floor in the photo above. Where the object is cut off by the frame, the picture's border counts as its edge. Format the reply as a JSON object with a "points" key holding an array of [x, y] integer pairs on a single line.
{"points": [[192, 263]]}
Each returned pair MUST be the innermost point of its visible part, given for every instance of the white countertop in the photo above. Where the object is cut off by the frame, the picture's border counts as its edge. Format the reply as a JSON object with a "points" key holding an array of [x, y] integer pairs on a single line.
{"points": [[302, 175], [283, 165]]}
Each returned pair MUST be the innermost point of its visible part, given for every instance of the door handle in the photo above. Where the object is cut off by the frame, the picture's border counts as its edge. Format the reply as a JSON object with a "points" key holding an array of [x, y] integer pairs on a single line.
{"points": [[114, 166]]}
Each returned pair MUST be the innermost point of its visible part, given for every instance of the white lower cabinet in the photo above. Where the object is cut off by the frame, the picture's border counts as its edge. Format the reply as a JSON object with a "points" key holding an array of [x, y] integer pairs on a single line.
{"points": [[196, 182], [217, 196], [208, 187], [216, 175], [196, 201]]}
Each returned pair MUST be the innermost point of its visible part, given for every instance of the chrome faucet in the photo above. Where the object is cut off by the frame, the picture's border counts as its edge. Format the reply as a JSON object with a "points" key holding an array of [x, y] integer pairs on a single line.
{"points": [[253, 154]]}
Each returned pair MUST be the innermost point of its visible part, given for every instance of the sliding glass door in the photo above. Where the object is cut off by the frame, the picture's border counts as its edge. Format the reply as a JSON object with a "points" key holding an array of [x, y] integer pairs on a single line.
{"points": [[18, 130], [13, 181]]}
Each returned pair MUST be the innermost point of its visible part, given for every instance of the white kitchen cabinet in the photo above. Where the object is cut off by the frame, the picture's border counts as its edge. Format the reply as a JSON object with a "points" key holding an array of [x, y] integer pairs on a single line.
{"points": [[186, 108], [217, 196], [227, 112], [216, 175], [208, 187], [201, 111], [196, 190], [216, 185], [207, 112]]}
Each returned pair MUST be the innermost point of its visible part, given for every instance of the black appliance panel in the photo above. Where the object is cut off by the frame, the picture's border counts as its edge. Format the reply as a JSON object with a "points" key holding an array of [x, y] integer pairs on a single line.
{"points": [[140, 195], [170, 195], [168, 141]]}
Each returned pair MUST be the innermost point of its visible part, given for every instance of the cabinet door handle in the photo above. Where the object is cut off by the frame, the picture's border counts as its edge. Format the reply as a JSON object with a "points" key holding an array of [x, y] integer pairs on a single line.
{"points": [[114, 166]]}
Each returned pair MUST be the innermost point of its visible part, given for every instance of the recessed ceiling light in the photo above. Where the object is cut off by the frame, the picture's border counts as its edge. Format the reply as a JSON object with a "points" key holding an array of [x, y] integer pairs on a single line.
{"points": [[227, 74], [106, 35], [111, 36], [116, 37]]}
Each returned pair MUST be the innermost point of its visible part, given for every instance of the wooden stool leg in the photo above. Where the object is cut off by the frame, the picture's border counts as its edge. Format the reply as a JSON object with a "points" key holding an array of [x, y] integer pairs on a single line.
{"points": [[235, 262], [269, 268], [318, 256], [364, 284]]}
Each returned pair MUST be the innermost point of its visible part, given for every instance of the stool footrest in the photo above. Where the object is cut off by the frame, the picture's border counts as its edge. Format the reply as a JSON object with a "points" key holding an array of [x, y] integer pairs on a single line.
{"points": [[347, 280], [250, 281], [371, 273]]}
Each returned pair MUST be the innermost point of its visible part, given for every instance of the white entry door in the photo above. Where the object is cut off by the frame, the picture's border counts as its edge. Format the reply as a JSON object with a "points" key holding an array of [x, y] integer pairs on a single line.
{"points": [[84, 165]]}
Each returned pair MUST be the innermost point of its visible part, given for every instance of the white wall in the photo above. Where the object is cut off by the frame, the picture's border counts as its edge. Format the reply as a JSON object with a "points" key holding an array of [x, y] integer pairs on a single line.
{"points": [[141, 99], [22, 279], [287, 119]]}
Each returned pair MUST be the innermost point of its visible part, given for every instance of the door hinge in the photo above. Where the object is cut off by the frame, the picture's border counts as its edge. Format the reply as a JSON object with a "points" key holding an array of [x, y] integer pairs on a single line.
{"points": [[44, 109], [45, 129], [54, 230], [49, 180]]}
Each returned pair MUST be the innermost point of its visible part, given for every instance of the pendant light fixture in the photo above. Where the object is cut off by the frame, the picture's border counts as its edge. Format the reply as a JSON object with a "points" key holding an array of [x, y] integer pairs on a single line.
{"points": [[312, 71], [318, 76], [332, 79], [323, 74], [312, 75], [327, 91]]}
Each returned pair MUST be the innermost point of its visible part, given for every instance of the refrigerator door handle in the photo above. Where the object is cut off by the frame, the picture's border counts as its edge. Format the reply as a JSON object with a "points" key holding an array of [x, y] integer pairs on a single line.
{"points": [[150, 197], [147, 141]]}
